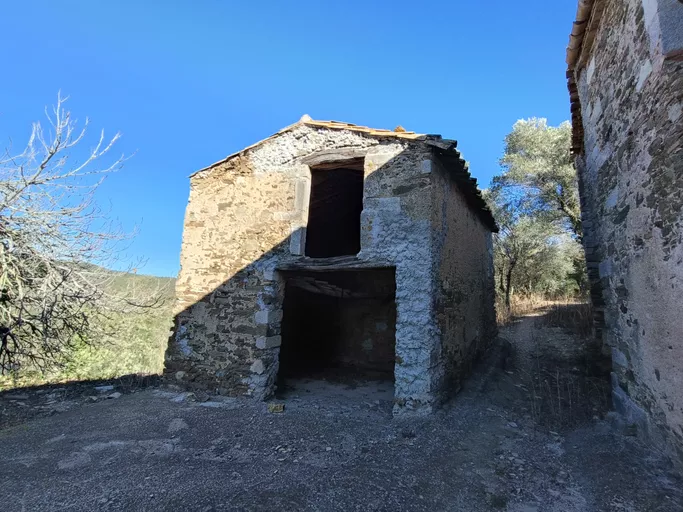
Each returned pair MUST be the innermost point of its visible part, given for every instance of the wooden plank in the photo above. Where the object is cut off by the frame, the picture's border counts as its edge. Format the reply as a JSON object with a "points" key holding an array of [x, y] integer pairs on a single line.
{"points": [[328, 264], [343, 157]]}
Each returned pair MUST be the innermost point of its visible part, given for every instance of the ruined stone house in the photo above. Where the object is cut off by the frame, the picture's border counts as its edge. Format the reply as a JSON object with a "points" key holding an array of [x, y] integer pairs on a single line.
{"points": [[330, 248], [625, 77]]}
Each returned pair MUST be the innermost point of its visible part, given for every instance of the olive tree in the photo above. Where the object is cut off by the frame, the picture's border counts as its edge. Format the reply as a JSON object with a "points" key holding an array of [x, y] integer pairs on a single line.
{"points": [[535, 201], [538, 165]]}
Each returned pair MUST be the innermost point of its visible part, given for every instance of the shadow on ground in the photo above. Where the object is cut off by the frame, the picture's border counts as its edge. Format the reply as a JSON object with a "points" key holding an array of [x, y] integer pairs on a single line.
{"points": [[564, 372], [337, 447], [19, 405]]}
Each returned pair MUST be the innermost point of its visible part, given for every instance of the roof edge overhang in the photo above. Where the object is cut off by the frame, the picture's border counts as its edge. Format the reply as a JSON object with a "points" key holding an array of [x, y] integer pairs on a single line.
{"points": [[457, 169], [584, 29], [583, 14]]}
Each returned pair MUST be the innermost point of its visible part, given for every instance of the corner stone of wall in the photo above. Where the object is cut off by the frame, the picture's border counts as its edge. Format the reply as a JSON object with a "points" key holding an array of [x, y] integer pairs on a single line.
{"points": [[395, 230]]}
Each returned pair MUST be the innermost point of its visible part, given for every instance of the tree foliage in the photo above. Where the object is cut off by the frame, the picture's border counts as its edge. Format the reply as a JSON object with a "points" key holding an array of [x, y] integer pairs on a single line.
{"points": [[537, 166], [535, 202], [53, 297]]}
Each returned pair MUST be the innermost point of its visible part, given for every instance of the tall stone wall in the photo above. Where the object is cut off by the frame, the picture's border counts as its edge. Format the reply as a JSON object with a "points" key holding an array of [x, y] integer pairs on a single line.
{"points": [[631, 183], [464, 288], [396, 228], [237, 223], [248, 215]]}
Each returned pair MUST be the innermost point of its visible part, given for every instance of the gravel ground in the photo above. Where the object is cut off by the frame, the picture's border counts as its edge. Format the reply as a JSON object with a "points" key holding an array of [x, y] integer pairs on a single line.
{"points": [[496, 446]]}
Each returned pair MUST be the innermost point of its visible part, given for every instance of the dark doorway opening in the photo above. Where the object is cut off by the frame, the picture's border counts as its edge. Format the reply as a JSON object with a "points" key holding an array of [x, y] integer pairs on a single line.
{"points": [[334, 210], [339, 325]]}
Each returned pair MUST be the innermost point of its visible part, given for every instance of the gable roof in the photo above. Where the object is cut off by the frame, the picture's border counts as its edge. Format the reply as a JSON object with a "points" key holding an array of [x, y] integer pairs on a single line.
{"points": [[306, 120], [445, 149]]}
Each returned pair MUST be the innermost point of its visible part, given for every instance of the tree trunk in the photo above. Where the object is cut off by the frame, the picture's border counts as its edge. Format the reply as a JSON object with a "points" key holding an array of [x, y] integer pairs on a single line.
{"points": [[508, 287]]}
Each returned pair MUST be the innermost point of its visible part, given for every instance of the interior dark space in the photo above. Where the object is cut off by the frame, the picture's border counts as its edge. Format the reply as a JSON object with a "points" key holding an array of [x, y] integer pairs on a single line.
{"points": [[334, 212], [339, 324]]}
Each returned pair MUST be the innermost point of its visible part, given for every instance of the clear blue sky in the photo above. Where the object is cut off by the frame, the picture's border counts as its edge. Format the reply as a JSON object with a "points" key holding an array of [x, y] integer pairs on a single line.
{"points": [[189, 82]]}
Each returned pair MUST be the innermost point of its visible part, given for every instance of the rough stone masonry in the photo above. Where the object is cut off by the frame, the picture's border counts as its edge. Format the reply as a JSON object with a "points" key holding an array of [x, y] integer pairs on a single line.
{"points": [[245, 244], [626, 83]]}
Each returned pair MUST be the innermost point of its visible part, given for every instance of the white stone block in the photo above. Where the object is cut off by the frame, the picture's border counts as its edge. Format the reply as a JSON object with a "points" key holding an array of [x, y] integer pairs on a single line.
{"points": [[266, 342], [261, 317], [267, 316], [605, 268], [590, 70], [645, 70], [386, 204], [257, 367], [297, 240], [671, 27], [612, 198]]}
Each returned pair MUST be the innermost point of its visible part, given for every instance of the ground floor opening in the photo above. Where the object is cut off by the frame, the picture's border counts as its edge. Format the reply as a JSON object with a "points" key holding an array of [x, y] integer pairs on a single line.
{"points": [[338, 326]]}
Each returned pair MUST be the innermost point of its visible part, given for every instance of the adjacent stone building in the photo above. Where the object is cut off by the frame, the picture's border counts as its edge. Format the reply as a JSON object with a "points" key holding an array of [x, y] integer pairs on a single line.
{"points": [[331, 248], [625, 77]]}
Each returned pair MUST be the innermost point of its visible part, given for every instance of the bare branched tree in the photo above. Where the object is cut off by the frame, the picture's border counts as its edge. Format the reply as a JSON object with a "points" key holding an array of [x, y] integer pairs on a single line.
{"points": [[55, 292]]}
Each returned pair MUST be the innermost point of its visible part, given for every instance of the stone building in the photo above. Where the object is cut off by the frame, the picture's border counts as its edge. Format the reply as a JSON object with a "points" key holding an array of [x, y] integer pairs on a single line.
{"points": [[625, 75], [330, 248]]}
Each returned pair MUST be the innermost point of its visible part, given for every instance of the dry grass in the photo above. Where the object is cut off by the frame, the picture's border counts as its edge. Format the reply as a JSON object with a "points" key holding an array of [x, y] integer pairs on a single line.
{"points": [[566, 376], [574, 316], [561, 398], [564, 381], [535, 304]]}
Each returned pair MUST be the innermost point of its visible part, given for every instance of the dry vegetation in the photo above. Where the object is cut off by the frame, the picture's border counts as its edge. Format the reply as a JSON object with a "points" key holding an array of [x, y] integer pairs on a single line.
{"points": [[564, 371], [137, 346], [573, 313], [577, 317], [567, 386], [63, 313]]}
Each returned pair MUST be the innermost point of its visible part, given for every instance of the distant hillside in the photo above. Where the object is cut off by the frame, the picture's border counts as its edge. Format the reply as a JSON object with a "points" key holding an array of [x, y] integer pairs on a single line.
{"points": [[165, 285], [138, 346]]}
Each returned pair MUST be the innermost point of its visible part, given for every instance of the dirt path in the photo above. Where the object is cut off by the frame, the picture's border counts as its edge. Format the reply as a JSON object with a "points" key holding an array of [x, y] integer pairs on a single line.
{"points": [[504, 443], [565, 377]]}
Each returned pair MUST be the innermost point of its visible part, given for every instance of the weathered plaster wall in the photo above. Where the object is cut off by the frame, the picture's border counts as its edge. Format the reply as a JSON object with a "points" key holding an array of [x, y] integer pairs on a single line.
{"points": [[464, 287], [247, 216], [236, 224], [396, 227], [631, 182]]}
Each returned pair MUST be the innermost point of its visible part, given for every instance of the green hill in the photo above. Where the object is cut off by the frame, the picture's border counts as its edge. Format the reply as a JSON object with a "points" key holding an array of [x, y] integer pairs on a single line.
{"points": [[137, 348]]}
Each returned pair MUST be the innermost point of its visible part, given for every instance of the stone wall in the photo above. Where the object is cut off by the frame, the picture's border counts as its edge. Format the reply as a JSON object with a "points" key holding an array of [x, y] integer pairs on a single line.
{"points": [[464, 288], [631, 183], [237, 224], [395, 227], [368, 331], [247, 217]]}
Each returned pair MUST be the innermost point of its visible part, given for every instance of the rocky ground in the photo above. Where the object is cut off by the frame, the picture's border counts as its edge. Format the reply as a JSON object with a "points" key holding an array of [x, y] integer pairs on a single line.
{"points": [[529, 432]]}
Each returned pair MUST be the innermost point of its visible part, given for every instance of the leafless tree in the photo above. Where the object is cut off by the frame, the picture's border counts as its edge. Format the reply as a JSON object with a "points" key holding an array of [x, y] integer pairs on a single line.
{"points": [[55, 245]]}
